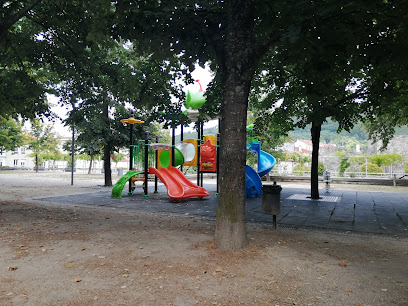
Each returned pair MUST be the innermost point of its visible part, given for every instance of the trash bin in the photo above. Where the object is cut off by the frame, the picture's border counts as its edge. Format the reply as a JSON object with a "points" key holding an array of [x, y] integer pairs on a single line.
{"points": [[120, 172], [271, 200]]}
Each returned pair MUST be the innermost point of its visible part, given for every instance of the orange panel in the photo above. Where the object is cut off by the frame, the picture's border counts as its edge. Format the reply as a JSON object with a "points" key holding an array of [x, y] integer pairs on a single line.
{"points": [[208, 155], [193, 162]]}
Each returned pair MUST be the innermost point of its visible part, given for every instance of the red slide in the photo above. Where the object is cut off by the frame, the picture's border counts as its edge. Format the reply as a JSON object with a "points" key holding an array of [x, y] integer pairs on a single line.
{"points": [[178, 186]]}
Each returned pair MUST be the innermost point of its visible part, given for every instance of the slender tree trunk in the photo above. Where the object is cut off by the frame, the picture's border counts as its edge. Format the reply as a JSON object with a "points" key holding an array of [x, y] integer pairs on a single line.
{"points": [[36, 162], [107, 164], [236, 69], [90, 165], [107, 148], [315, 131]]}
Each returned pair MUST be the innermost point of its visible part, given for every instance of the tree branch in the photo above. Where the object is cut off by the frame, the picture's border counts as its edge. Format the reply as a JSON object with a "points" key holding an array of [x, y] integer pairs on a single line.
{"points": [[68, 46], [13, 17]]}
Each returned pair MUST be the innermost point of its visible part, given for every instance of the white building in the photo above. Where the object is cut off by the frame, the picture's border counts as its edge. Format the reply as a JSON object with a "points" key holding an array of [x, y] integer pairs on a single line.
{"points": [[20, 159], [304, 146], [17, 159]]}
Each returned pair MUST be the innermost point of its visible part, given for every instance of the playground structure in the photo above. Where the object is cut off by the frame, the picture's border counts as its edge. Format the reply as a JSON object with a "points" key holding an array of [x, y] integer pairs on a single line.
{"points": [[167, 158], [265, 163], [201, 152]]}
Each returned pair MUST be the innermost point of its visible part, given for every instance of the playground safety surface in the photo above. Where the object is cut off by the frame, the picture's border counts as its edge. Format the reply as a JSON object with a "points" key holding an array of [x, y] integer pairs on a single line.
{"points": [[338, 210]]}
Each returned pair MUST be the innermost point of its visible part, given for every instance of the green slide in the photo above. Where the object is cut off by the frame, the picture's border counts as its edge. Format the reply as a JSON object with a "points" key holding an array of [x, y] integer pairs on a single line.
{"points": [[117, 189]]}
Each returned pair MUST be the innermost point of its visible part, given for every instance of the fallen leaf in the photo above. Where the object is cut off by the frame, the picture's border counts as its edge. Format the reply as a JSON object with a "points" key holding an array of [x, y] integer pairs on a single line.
{"points": [[218, 270], [12, 268], [77, 280], [342, 264], [349, 291], [69, 266], [125, 275]]}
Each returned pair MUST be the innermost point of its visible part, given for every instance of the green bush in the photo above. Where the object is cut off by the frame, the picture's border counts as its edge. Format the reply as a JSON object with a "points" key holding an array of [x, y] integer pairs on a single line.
{"points": [[371, 168], [298, 170], [344, 164], [406, 167], [321, 168]]}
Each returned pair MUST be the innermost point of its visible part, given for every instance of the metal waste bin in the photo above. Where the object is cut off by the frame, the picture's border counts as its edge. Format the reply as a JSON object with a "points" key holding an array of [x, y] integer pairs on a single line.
{"points": [[271, 200]]}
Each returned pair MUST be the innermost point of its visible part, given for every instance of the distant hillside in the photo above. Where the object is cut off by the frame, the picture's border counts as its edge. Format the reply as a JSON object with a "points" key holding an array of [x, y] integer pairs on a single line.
{"points": [[329, 134], [187, 135]]}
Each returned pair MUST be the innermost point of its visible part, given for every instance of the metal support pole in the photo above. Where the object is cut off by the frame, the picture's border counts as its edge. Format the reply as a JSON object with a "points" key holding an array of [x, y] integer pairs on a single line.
{"points": [[72, 155], [366, 166], [130, 157], [202, 137], [173, 145], [157, 163], [181, 140], [198, 154], [146, 162]]}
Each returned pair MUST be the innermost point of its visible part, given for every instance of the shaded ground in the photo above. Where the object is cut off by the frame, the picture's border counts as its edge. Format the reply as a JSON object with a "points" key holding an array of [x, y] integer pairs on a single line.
{"points": [[383, 213], [51, 253]]}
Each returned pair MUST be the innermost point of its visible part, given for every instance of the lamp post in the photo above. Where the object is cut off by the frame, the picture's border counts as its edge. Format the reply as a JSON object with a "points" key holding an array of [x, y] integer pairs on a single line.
{"points": [[131, 121]]}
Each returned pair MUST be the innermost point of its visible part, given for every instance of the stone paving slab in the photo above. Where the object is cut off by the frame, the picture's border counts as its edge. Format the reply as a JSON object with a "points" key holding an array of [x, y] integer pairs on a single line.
{"points": [[340, 210]]}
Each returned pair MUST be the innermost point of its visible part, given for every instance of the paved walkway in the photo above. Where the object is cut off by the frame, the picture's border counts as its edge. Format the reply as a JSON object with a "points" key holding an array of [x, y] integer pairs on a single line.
{"points": [[340, 210]]}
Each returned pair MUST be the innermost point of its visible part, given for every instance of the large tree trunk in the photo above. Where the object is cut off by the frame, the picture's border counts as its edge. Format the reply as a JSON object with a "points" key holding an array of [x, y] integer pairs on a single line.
{"points": [[315, 131], [236, 68]]}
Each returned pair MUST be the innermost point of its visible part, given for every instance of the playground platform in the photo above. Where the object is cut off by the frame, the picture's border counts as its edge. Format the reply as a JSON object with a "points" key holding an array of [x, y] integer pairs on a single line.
{"points": [[368, 212]]}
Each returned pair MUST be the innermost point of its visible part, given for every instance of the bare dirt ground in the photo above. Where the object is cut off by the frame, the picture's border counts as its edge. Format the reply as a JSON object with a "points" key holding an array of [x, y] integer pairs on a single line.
{"points": [[63, 255]]}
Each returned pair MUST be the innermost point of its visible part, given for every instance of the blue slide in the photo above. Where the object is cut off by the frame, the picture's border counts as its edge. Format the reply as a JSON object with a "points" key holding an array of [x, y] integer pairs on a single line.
{"points": [[253, 184], [265, 160]]}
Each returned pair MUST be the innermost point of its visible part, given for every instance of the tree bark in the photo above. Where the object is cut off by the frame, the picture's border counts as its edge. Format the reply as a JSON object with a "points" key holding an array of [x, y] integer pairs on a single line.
{"points": [[107, 147], [107, 164], [236, 70], [90, 165], [36, 162], [314, 181]]}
